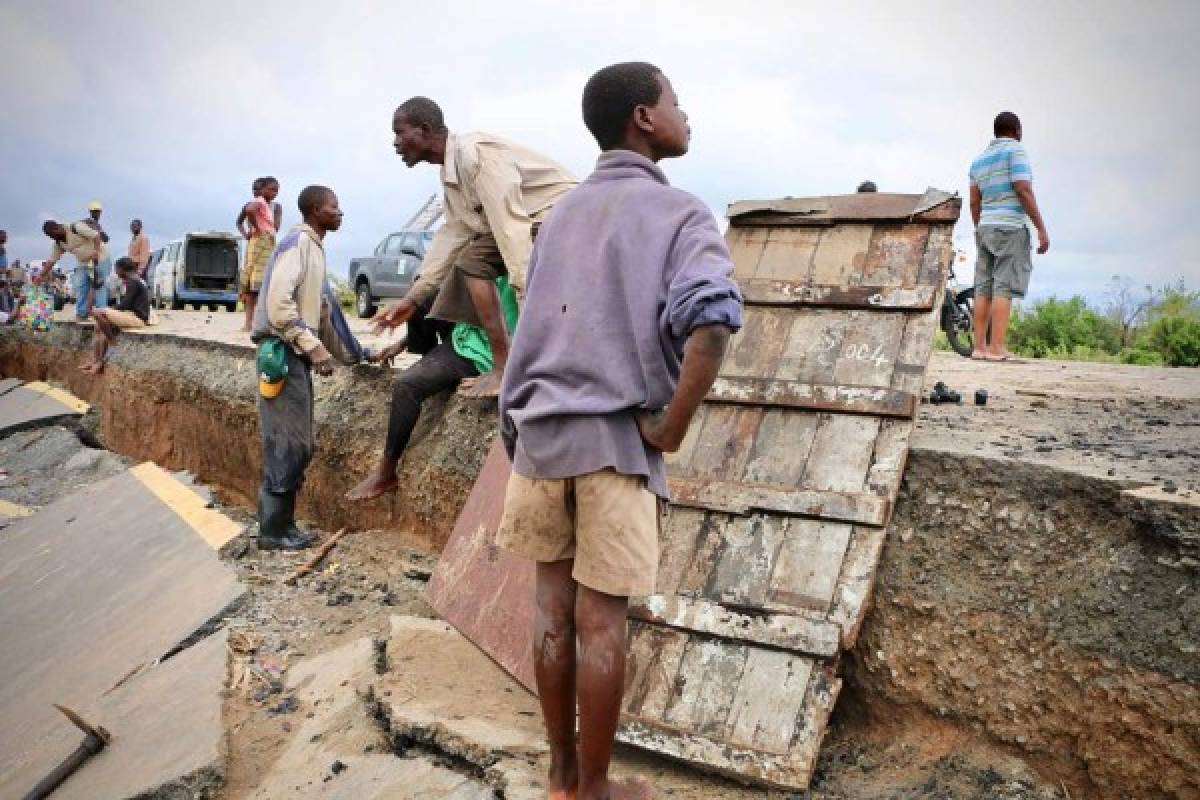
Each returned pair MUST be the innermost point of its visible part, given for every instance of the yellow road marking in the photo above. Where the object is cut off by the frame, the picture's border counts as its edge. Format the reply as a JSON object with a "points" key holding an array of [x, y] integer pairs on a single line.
{"points": [[66, 398], [212, 526], [12, 510]]}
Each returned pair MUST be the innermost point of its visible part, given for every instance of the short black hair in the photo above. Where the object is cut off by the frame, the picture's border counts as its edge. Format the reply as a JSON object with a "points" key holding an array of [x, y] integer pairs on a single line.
{"points": [[611, 95], [421, 111], [311, 197], [125, 264], [268, 180], [1006, 123], [258, 184], [48, 226], [867, 186]]}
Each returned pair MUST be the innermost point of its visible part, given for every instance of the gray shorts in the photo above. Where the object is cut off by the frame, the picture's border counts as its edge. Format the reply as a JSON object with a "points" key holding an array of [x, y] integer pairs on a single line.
{"points": [[1004, 261]]}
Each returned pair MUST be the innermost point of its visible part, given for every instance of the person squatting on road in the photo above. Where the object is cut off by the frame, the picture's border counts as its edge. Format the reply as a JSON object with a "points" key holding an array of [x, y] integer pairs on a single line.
{"points": [[630, 304], [299, 328], [132, 312], [1001, 198], [258, 223], [84, 242], [496, 191]]}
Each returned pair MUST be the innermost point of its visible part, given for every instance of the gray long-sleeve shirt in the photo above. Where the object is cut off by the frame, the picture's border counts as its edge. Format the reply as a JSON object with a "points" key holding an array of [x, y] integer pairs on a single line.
{"points": [[624, 269]]}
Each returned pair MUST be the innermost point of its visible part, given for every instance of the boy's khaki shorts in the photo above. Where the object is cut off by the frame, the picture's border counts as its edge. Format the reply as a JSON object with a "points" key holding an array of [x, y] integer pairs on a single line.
{"points": [[607, 522]]}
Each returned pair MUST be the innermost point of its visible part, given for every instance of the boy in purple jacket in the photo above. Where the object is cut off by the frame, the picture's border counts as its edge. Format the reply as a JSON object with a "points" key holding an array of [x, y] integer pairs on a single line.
{"points": [[629, 308]]}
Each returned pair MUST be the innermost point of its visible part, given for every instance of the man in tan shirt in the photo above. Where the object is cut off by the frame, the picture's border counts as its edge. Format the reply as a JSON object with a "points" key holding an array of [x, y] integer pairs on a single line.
{"points": [[139, 248], [496, 194], [85, 243]]}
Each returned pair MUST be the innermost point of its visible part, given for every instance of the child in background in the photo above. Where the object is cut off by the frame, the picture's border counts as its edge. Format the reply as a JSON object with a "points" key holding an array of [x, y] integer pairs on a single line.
{"points": [[256, 222]]}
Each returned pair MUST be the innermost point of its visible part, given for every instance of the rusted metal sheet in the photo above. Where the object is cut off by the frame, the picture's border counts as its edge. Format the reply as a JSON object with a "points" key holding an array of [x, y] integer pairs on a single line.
{"points": [[483, 591], [782, 489]]}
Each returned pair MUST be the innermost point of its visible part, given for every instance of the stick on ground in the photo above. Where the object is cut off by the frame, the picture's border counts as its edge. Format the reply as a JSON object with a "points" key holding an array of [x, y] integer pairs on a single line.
{"points": [[311, 564]]}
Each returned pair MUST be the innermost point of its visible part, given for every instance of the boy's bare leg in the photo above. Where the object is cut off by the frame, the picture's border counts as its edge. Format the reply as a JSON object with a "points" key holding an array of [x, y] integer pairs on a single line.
{"points": [[554, 667], [600, 622], [101, 339], [249, 300], [487, 306], [983, 310]]}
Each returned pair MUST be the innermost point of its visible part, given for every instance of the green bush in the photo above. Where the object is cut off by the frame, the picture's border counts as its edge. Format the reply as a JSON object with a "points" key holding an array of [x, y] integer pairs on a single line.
{"points": [[341, 288], [1141, 357], [1176, 339], [1054, 328]]}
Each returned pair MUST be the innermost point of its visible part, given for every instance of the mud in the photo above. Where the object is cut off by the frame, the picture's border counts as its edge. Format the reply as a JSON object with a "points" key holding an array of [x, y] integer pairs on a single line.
{"points": [[1035, 624]]}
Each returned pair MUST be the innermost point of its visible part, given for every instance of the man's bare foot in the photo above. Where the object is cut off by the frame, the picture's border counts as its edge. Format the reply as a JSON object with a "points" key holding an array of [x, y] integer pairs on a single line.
{"points": [[632, 789], [377, 484], [979, 355], [484, 386]]}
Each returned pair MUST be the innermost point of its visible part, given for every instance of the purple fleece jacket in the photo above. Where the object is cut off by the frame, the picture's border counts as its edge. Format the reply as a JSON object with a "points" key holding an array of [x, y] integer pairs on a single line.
{"points": [[623, 270]]}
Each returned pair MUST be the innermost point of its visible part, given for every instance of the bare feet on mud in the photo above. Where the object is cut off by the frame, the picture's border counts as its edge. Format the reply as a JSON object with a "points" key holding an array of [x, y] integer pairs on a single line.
{"points": [[483, 386], [377, 484]]}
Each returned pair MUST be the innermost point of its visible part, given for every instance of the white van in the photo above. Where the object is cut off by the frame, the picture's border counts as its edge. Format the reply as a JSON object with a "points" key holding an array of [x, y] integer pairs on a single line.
{"points": [[201, 269]]}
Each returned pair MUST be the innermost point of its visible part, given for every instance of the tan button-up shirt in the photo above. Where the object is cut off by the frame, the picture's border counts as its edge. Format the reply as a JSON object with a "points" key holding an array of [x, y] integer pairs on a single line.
{"points": [[83, 242], [139, 250], [491, 184]]}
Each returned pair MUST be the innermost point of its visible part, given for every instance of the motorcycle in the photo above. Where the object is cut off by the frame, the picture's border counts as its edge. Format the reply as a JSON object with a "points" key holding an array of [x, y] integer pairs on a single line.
{"points": [[957, 319]]}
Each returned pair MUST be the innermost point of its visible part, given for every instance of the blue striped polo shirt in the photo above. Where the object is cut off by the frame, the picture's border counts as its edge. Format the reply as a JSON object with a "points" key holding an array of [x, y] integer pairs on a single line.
{"points": [[994, 171]]}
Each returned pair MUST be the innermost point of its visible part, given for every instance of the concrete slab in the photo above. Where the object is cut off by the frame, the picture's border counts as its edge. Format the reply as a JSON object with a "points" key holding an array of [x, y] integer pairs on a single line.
{"points": [[8, 384], [331, 688], [167, 731], [37, 402], [94, 588]]}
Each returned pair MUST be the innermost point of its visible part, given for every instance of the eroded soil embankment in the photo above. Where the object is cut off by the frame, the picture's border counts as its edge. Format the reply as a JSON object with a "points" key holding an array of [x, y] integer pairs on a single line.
{"points": [[1022, 605], [189, 404]]}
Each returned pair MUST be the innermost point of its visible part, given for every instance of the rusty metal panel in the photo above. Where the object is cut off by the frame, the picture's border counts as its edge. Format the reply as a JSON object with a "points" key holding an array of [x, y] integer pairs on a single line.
{"points": [[782, 490], [483, 591]]}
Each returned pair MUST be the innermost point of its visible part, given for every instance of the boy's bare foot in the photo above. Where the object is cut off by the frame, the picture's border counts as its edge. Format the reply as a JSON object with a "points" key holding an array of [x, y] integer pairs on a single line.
{"points": [[563, 782], [632, 789], [377, 484], [484, 386]]}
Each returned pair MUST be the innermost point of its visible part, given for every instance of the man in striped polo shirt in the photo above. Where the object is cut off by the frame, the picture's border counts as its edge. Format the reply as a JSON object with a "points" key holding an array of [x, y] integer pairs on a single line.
{"points": [[1001, 200]]}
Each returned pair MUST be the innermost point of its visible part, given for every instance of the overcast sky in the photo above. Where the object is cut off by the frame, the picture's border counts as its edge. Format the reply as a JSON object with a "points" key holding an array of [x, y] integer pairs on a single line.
{"points": [[167, 110]]}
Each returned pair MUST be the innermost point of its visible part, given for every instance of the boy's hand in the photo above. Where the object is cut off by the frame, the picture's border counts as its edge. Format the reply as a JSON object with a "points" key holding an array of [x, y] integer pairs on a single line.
{"points": [[653, 428], [321, 360]]}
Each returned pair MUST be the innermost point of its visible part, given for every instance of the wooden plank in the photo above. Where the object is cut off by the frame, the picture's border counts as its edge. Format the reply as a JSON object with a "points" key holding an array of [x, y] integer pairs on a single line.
{"points": [[850, 208], [868, 353], [840, 255], [651, 668], [746, 247], [724, 444], [861, 399], [755, 351], [746, 559], [841, 453], [694, 579], [913, 356], [709, 674], [939, 253], [856, 581], [738, 498], [807, 568], [790, 772], [894, 255], [788, 255], [801, 632], [682, 534], [887, 462], [768, 700], [781, 449], [802, 294], [814, 343]]}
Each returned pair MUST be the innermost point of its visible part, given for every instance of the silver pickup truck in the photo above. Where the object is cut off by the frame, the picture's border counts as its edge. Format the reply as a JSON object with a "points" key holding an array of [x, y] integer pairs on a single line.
{"points": [[390, 272]]}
